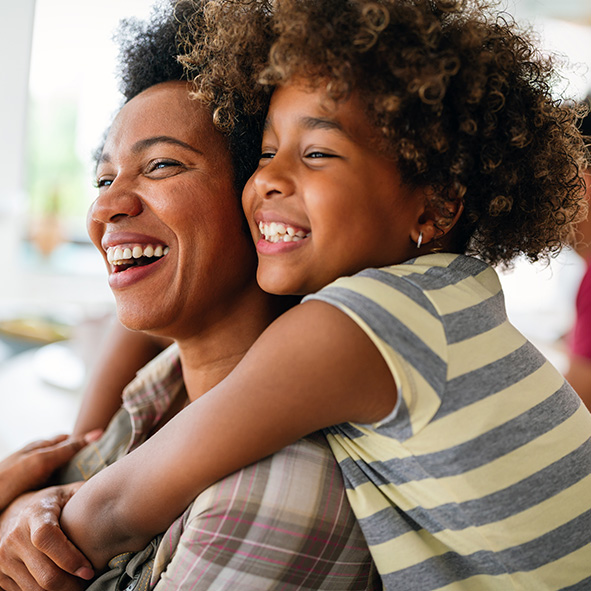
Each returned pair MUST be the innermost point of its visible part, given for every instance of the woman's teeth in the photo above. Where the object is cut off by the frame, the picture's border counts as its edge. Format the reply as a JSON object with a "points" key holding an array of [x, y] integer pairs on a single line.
{"points": [[124, 255], [278, 232]]}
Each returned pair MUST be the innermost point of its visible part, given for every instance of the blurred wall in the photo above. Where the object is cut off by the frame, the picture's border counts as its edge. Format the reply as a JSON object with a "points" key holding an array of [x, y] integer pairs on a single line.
{"points": [[16, 29]]}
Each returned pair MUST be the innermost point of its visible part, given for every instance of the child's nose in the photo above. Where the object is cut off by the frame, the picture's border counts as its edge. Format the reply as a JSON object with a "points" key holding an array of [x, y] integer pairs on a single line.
{"points": [[115, 202], [274, 179]]}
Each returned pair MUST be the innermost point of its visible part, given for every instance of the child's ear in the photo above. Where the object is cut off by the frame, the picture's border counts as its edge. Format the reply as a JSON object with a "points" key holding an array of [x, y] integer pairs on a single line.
{"points": [[437, 219]]}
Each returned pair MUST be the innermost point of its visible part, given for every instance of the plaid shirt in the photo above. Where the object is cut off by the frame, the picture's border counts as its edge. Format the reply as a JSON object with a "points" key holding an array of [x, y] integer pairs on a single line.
{"points": [[282, 523]]}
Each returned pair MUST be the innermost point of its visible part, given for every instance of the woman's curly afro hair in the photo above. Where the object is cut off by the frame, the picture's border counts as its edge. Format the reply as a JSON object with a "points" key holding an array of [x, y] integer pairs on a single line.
{"points": [[148, 55], [461, 96]]}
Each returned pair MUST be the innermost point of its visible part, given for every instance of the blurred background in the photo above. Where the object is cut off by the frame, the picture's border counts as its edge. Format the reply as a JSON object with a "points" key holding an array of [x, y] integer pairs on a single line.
{"points": [[59, 94]]}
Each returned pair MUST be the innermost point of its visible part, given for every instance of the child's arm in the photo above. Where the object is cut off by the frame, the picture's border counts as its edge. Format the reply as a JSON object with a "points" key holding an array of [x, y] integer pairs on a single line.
{"points": [[312, 368], [123, 353], [579, 377]]}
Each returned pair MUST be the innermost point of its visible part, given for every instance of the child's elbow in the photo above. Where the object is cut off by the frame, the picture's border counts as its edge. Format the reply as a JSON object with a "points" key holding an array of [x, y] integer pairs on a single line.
{"points": [[100, 525]]}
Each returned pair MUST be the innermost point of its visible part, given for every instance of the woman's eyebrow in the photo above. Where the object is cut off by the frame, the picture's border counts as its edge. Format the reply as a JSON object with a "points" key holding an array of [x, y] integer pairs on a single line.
{"points": [[162, 139]]}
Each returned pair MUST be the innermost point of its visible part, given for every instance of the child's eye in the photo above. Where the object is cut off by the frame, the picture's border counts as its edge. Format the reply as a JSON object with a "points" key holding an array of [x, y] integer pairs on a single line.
{"points": [[267, 156]]}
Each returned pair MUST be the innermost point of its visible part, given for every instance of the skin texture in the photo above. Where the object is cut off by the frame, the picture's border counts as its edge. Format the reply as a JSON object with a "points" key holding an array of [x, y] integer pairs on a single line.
{"points": [[279, 388]]}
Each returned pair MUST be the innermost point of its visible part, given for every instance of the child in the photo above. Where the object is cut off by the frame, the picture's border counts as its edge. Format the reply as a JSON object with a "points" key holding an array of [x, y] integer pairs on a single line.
{"points": [[403, 138]]}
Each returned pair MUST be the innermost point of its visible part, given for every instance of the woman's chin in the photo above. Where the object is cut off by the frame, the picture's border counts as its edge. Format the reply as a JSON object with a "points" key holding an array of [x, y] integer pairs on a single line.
{"points": [[140, 322]]}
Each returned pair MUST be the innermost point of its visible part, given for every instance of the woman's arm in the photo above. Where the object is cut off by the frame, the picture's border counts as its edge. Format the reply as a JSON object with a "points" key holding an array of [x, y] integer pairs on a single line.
{"points": [[312, 368], [123, 353]]}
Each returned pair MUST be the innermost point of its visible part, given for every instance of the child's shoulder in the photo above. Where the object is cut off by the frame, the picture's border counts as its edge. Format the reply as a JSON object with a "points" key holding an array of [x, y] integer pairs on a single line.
{"points": [[434, 286], [424, 273]]}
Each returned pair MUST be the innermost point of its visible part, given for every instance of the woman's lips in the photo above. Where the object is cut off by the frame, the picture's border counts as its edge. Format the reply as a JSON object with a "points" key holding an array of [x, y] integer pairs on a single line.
{"points": [[122, 276]]}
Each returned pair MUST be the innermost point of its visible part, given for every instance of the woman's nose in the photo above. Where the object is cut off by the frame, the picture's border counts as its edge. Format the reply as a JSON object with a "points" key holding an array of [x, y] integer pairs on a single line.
{"points": [[115, 202], [274, 179]]}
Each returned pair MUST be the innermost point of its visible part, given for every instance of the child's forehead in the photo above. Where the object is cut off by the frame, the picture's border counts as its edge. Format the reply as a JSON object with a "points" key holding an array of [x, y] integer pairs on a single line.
{"points": [[313, 107], [298, 112]]}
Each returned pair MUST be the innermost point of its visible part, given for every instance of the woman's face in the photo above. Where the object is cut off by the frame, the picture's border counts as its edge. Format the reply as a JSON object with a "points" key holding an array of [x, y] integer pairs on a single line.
{"points": [[167, 219]]}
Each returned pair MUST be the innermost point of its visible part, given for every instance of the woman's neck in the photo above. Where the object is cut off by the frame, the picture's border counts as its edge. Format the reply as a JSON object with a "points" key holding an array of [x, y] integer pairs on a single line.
{"points": [[210, 354]]}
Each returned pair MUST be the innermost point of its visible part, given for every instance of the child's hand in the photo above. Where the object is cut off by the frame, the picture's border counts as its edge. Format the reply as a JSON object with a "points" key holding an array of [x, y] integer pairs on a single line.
{"points": [[31, 466], [34, 552]]}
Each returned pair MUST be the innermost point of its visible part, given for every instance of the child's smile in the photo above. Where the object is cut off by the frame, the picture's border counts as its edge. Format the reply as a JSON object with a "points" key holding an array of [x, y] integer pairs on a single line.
{"points": [[324, 202]]}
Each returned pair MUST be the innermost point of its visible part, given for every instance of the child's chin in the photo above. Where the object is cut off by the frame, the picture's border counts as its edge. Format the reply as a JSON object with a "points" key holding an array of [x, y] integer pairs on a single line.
{"points": [[277, 284]]}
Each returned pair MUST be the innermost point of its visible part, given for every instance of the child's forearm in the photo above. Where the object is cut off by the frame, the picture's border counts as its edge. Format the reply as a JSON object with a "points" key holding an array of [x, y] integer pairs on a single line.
{"points": [[242, 420], [98, 520]]}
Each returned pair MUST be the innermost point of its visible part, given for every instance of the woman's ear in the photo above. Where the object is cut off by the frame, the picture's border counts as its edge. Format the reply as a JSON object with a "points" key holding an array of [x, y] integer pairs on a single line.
{"points": [[437, 219]]}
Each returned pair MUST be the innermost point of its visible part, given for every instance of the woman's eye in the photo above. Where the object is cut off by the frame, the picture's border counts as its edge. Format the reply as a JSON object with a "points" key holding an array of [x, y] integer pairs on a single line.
{"points": [[102, 182], [266, 156], [162, 164]]}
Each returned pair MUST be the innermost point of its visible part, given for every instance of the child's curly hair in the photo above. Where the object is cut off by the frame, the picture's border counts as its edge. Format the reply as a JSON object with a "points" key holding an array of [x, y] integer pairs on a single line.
{"points": [[461, 96]]}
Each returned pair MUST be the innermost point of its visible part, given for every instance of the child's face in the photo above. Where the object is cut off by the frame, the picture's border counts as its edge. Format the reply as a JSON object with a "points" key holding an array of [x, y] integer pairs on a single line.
{"points": [[324, 202]]}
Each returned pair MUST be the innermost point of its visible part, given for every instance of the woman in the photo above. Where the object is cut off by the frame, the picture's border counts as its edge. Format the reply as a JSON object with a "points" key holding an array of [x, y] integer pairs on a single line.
{"points": [[170, 225]]}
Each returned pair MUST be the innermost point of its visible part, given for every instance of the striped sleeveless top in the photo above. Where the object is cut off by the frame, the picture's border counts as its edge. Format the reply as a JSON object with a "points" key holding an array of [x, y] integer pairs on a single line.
{"points": [[481, 476]]}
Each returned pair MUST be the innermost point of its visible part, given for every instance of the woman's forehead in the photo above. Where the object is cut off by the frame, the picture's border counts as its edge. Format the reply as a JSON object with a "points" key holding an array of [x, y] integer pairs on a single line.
{"points": [[165, 109]]}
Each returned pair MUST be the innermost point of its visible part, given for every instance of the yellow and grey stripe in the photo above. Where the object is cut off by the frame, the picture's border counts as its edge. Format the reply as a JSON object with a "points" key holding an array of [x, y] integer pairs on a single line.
{"points": [[481, 477]]}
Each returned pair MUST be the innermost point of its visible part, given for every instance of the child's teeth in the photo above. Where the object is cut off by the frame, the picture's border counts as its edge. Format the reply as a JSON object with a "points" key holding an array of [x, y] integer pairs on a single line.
{"points": [[278, 232]]}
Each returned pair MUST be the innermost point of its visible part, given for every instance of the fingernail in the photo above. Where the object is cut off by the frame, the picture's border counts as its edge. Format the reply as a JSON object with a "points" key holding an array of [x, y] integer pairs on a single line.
{"points": [[93, 435], [85, 573]]}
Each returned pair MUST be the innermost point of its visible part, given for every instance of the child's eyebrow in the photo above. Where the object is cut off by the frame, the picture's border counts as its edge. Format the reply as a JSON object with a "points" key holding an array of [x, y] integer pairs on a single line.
{"points": [[312, 123], [321, 123]]}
